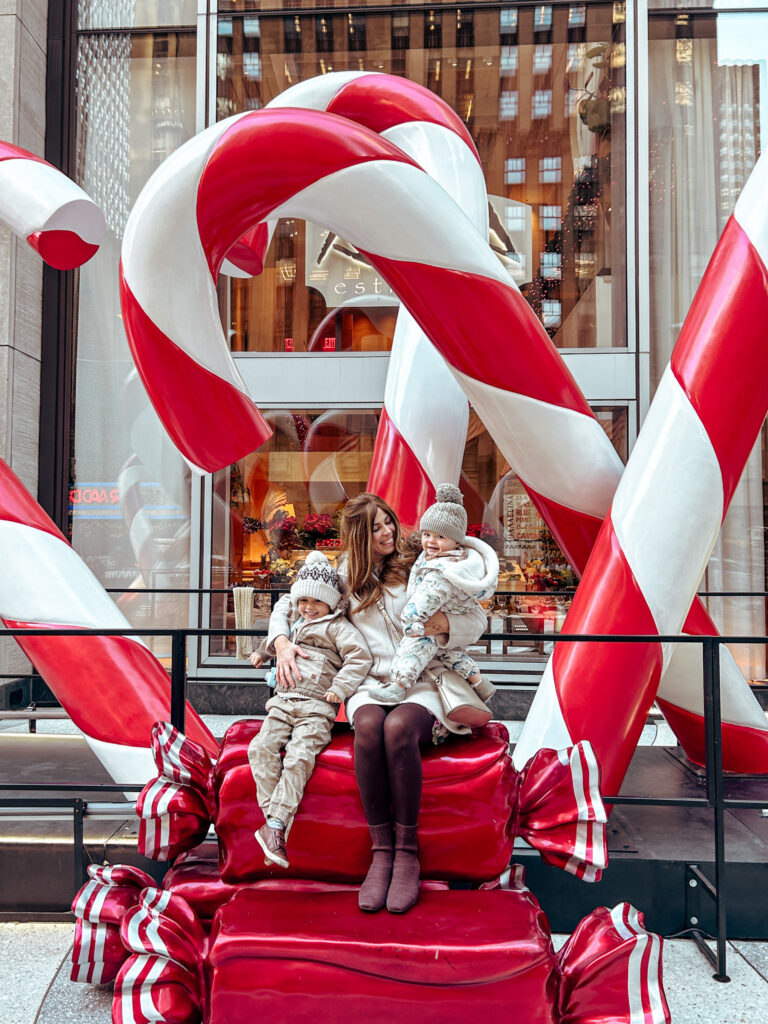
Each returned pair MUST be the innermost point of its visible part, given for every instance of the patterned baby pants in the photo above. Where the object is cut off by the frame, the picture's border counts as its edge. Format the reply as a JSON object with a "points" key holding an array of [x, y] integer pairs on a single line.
{"points": [[415, 653]]}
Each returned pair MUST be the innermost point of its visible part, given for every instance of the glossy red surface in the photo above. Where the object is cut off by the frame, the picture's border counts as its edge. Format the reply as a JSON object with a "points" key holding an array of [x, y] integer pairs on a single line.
{"points": [[113, 687], [10, 152], [608, 601], [456, 954], [743, 750], [63, 250], [725, 328], [397, 476], [611, 971], [575, 532], [291, 149], [176, 383], [18, 506], [474, 777], [382, 101], [249, 250]]}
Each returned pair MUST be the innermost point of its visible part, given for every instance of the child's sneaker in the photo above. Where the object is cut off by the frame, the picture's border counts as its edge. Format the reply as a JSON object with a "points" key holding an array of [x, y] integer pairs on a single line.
{"points": [[272, 842], [484, 689], [389, 693]]}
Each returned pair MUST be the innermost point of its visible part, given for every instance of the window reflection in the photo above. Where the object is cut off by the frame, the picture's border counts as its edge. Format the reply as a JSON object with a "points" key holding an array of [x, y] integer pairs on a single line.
{"points": [[503, 70]]}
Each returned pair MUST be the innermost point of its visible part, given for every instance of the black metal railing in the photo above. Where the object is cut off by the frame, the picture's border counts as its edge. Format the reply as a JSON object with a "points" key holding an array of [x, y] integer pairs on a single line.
{"points": [[715, 798]]}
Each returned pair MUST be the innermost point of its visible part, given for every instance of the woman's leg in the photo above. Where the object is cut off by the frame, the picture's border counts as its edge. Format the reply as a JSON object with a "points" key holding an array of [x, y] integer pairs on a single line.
{"points": [[371, 763], [373, 783], [405, 728]]}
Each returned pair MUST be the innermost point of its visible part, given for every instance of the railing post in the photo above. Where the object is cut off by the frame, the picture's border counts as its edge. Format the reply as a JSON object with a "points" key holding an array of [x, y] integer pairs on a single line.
{"points": [[78, 811], [715, 793], [178, 678]]}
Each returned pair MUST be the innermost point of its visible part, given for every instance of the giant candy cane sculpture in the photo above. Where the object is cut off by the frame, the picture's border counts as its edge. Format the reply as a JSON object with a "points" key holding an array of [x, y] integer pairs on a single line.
{"points": [[524, 394], [47, 208], [668, 509], [423, 424], [113, 687]]}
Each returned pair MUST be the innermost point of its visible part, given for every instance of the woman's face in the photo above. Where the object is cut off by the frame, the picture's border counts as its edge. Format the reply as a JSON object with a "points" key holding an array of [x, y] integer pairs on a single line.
{"points": [[383, 535]]}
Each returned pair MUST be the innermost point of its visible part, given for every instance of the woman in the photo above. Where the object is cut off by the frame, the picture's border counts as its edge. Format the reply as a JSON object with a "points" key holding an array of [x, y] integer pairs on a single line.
{"points": [[387, 737]]}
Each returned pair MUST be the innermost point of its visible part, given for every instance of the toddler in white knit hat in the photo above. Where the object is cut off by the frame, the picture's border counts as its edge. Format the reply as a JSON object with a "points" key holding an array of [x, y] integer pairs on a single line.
{"points": [[300, 716], [452, 574]]}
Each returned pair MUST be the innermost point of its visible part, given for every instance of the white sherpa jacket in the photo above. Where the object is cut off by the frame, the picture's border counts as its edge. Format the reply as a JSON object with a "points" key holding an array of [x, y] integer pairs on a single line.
{"points": [[453, 583]]}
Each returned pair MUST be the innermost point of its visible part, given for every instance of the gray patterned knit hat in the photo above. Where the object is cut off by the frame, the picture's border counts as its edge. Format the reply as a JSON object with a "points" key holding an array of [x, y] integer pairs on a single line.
{"points": [[317, 578], [447, 516]]}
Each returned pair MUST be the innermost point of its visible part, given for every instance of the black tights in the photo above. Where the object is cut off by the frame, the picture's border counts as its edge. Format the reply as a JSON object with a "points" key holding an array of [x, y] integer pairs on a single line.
{"points": [[388, 760]]}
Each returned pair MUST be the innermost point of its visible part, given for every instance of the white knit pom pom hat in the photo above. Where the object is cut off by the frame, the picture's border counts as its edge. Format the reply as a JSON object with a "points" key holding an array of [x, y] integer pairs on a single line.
{"points": [[317, 578], [447, 516]]}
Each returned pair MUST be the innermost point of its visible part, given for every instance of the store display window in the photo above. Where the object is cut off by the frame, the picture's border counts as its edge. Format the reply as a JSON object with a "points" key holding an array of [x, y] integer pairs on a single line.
{"points": [[273, 507]]}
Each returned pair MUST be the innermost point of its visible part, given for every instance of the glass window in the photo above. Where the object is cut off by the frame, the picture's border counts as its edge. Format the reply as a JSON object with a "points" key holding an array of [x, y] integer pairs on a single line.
{"points": [[433, 31], [550, 217], [508, 104], [102, 14], [129, 493], [307, 276], [508, 20], [577, 15], [708, 124], [541, 104], [542, 18], [550, 170], [514, 170], [509, 60], [542, 59]]}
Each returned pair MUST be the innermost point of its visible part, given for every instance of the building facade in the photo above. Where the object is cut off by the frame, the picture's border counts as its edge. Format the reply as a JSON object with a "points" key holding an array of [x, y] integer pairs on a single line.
{"points": [[615, 138]]}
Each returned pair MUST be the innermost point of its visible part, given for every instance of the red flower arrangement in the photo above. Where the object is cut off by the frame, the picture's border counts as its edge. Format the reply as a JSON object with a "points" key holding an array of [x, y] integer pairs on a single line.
{"points": [[320, 524]]}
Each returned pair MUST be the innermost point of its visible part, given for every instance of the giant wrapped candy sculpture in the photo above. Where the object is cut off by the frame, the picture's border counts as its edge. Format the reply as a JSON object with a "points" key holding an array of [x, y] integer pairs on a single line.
{"points": [[228, 938]]}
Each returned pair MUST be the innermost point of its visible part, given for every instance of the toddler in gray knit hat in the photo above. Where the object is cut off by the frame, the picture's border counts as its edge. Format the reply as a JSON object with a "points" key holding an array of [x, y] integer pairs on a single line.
{"points": [[452, 574]]}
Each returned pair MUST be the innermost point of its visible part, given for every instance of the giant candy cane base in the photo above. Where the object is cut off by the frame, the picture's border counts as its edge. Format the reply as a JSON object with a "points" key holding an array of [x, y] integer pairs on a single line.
{"points": [[113, 687]]}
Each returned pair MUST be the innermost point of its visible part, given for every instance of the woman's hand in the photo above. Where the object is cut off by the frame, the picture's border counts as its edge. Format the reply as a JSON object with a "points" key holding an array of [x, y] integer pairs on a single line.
{"points": [[288, 672], [437, 625]]}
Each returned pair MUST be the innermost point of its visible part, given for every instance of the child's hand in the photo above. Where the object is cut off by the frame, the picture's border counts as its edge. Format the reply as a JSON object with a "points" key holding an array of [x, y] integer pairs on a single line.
{"points": [[256, 659], [331, 697]]}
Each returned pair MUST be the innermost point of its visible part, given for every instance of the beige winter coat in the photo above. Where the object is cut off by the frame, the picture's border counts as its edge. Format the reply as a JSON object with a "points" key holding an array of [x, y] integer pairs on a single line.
{"points": [[339, 658]]}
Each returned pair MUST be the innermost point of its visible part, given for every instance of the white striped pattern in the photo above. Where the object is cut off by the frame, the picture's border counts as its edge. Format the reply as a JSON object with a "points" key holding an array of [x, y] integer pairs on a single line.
{"points": [[669, 505], [643, 969], [580, 469]]}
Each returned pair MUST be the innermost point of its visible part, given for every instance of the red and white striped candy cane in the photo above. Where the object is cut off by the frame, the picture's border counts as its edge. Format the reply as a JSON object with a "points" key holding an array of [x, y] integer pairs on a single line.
{"points": [[47, 208], [112, 687], [423, 424], [669, 506]]}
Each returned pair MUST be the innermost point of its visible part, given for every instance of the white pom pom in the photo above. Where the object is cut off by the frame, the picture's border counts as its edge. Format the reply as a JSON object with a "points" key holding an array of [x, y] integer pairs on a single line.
{"points": [[447, 492], [315, 556]]}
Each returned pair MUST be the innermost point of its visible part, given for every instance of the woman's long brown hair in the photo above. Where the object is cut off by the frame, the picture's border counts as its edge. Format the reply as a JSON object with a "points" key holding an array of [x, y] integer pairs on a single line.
{"points": [[356, 531]]}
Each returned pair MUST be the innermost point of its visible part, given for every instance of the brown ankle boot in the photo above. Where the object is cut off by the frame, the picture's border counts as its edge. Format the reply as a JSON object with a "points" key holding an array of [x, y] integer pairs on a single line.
{"points": [[373, 891], [404, 887]]}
